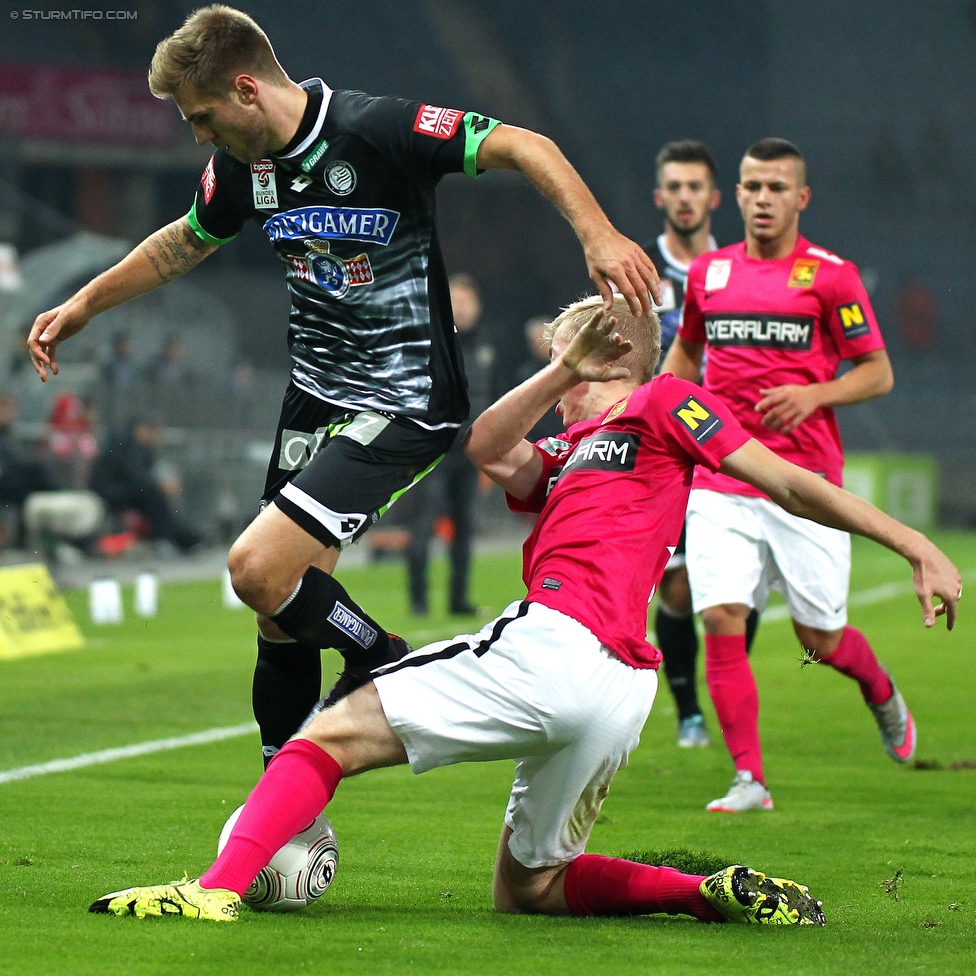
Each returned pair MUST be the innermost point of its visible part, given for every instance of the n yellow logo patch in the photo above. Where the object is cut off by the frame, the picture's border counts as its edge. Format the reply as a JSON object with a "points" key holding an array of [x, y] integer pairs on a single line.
{"points": [[698, 419], [803, 273], [853, 320]]}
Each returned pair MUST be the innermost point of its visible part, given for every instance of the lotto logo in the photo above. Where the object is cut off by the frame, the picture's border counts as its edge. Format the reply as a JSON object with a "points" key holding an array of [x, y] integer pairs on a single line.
{"points": [[208, 181], [441, 123]]}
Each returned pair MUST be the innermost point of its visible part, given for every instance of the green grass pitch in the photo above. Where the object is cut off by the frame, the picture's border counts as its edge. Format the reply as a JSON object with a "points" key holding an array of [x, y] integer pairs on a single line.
{"points": [[416, 853]]}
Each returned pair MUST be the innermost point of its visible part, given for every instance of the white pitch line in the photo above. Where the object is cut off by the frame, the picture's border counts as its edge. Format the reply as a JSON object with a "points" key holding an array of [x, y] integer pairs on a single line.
{"points": [[875, 594], [127, 752], [863, 598]]}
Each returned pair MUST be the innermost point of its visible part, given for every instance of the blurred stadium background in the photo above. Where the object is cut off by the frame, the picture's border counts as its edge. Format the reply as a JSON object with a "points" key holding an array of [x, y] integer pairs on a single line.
{"points": [[878, 95]]}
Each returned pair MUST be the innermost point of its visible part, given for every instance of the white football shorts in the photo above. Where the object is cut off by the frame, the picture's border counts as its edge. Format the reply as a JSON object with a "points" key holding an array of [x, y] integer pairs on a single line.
{"points": [[739, 548], [535, 686]]}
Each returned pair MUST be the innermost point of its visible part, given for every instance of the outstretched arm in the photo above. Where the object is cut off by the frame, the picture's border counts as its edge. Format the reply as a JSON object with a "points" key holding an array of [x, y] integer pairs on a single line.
{"points": [[496, 443], [786, 407], [805, 494], [610, 257], [163, 256]]}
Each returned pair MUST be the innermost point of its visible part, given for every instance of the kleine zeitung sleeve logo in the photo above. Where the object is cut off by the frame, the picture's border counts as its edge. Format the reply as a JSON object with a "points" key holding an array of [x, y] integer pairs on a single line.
{"points": [[441, 123], [209, 181]]}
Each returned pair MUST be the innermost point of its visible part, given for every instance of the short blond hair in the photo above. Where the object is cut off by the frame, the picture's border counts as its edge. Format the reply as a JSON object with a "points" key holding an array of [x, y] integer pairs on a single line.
{"points": [[643, 332], [214, 45]]}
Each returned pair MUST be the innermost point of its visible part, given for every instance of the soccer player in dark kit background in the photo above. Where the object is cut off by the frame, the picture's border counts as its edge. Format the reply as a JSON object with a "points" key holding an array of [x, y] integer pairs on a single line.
{"points": [[344, 186]]}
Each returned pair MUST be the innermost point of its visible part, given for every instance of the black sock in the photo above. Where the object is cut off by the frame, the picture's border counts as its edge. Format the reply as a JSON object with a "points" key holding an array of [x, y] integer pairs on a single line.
{"points": [[678, 642], [287, 684], [752, 625], [321, 614]]}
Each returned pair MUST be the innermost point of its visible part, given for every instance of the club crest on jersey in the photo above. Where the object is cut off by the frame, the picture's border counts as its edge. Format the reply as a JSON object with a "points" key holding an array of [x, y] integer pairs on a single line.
{"points": [[441, 123], [617, 409], [334, 275], [263, 185], [803, 272], [766, 331], [340, 178], [370, 225], [699, 420], [717, 274], [208, 181], [853, 321]]}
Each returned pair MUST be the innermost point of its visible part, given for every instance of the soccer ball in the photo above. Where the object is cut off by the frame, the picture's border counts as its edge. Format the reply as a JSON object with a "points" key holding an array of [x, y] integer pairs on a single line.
{"points": [[298, 874]]}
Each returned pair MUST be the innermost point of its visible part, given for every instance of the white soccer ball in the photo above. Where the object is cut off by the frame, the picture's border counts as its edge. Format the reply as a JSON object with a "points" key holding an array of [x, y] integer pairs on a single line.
{"points": [[298, 874]]}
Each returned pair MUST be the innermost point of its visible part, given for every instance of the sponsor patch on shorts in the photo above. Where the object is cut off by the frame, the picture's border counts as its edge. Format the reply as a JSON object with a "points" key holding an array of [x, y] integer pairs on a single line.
{"points": [[353, 625], [699, 420]]}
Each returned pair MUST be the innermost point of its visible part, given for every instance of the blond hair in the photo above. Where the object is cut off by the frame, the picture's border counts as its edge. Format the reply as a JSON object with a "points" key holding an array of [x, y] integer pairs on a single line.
{"points": [[214, 45], [643, 332]]}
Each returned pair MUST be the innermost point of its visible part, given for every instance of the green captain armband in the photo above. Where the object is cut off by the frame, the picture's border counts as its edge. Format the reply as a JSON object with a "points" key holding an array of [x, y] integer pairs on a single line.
{"points": [[476, 127], [194, 222]]}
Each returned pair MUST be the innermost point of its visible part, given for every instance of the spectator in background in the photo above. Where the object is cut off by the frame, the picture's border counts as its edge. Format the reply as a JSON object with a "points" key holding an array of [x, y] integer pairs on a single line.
{"points": [[453, 486], [537, 346], [71, 440], [21, 474], [119, 371], [170, 368], [125, 475]]}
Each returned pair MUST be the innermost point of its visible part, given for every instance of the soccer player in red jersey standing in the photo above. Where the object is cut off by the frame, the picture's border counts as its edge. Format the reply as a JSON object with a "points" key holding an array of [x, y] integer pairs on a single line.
{"points": [[778, 315]]}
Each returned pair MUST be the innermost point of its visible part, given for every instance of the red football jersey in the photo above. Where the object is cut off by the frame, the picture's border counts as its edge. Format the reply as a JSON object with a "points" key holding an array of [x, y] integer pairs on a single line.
{"points": [[612, 494], [770, 323]]}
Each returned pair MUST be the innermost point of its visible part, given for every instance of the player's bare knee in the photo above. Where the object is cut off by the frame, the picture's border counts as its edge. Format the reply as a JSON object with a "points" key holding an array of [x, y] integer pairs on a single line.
{"points": [[253, 576], [819, 643], [675, 592], [725, 618], [356, 734]]}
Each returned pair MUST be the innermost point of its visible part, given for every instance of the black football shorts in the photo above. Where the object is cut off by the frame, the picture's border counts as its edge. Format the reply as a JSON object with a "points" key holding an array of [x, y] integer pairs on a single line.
{"points": [[334, 473]]}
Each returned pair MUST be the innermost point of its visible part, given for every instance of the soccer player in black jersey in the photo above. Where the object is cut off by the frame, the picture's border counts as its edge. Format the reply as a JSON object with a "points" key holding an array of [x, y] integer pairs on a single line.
{"points": [[344, 185], [687, 193]]}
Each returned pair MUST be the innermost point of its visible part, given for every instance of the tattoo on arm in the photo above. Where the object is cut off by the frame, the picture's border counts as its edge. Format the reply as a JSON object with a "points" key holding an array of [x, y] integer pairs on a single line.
{"points": [[174, 249]]}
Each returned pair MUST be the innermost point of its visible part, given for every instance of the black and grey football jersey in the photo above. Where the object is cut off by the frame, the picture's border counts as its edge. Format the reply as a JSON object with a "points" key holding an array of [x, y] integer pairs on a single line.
{"points": [[673, 276], [349, 205]]}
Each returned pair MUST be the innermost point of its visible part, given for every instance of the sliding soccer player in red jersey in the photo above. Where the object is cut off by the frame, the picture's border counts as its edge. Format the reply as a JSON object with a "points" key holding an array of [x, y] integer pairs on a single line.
{"points": [[777, 315], [563, 680]]}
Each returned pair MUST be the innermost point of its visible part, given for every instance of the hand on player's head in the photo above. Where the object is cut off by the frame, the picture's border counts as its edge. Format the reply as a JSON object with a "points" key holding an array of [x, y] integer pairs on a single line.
{"points": [[42, 343], [595, 348]]}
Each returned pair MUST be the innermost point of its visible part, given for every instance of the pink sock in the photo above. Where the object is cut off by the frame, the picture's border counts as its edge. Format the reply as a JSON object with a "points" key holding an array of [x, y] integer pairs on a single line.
{"points": [[597, 885], [855, 658], [733, 689], [294, 790]]}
